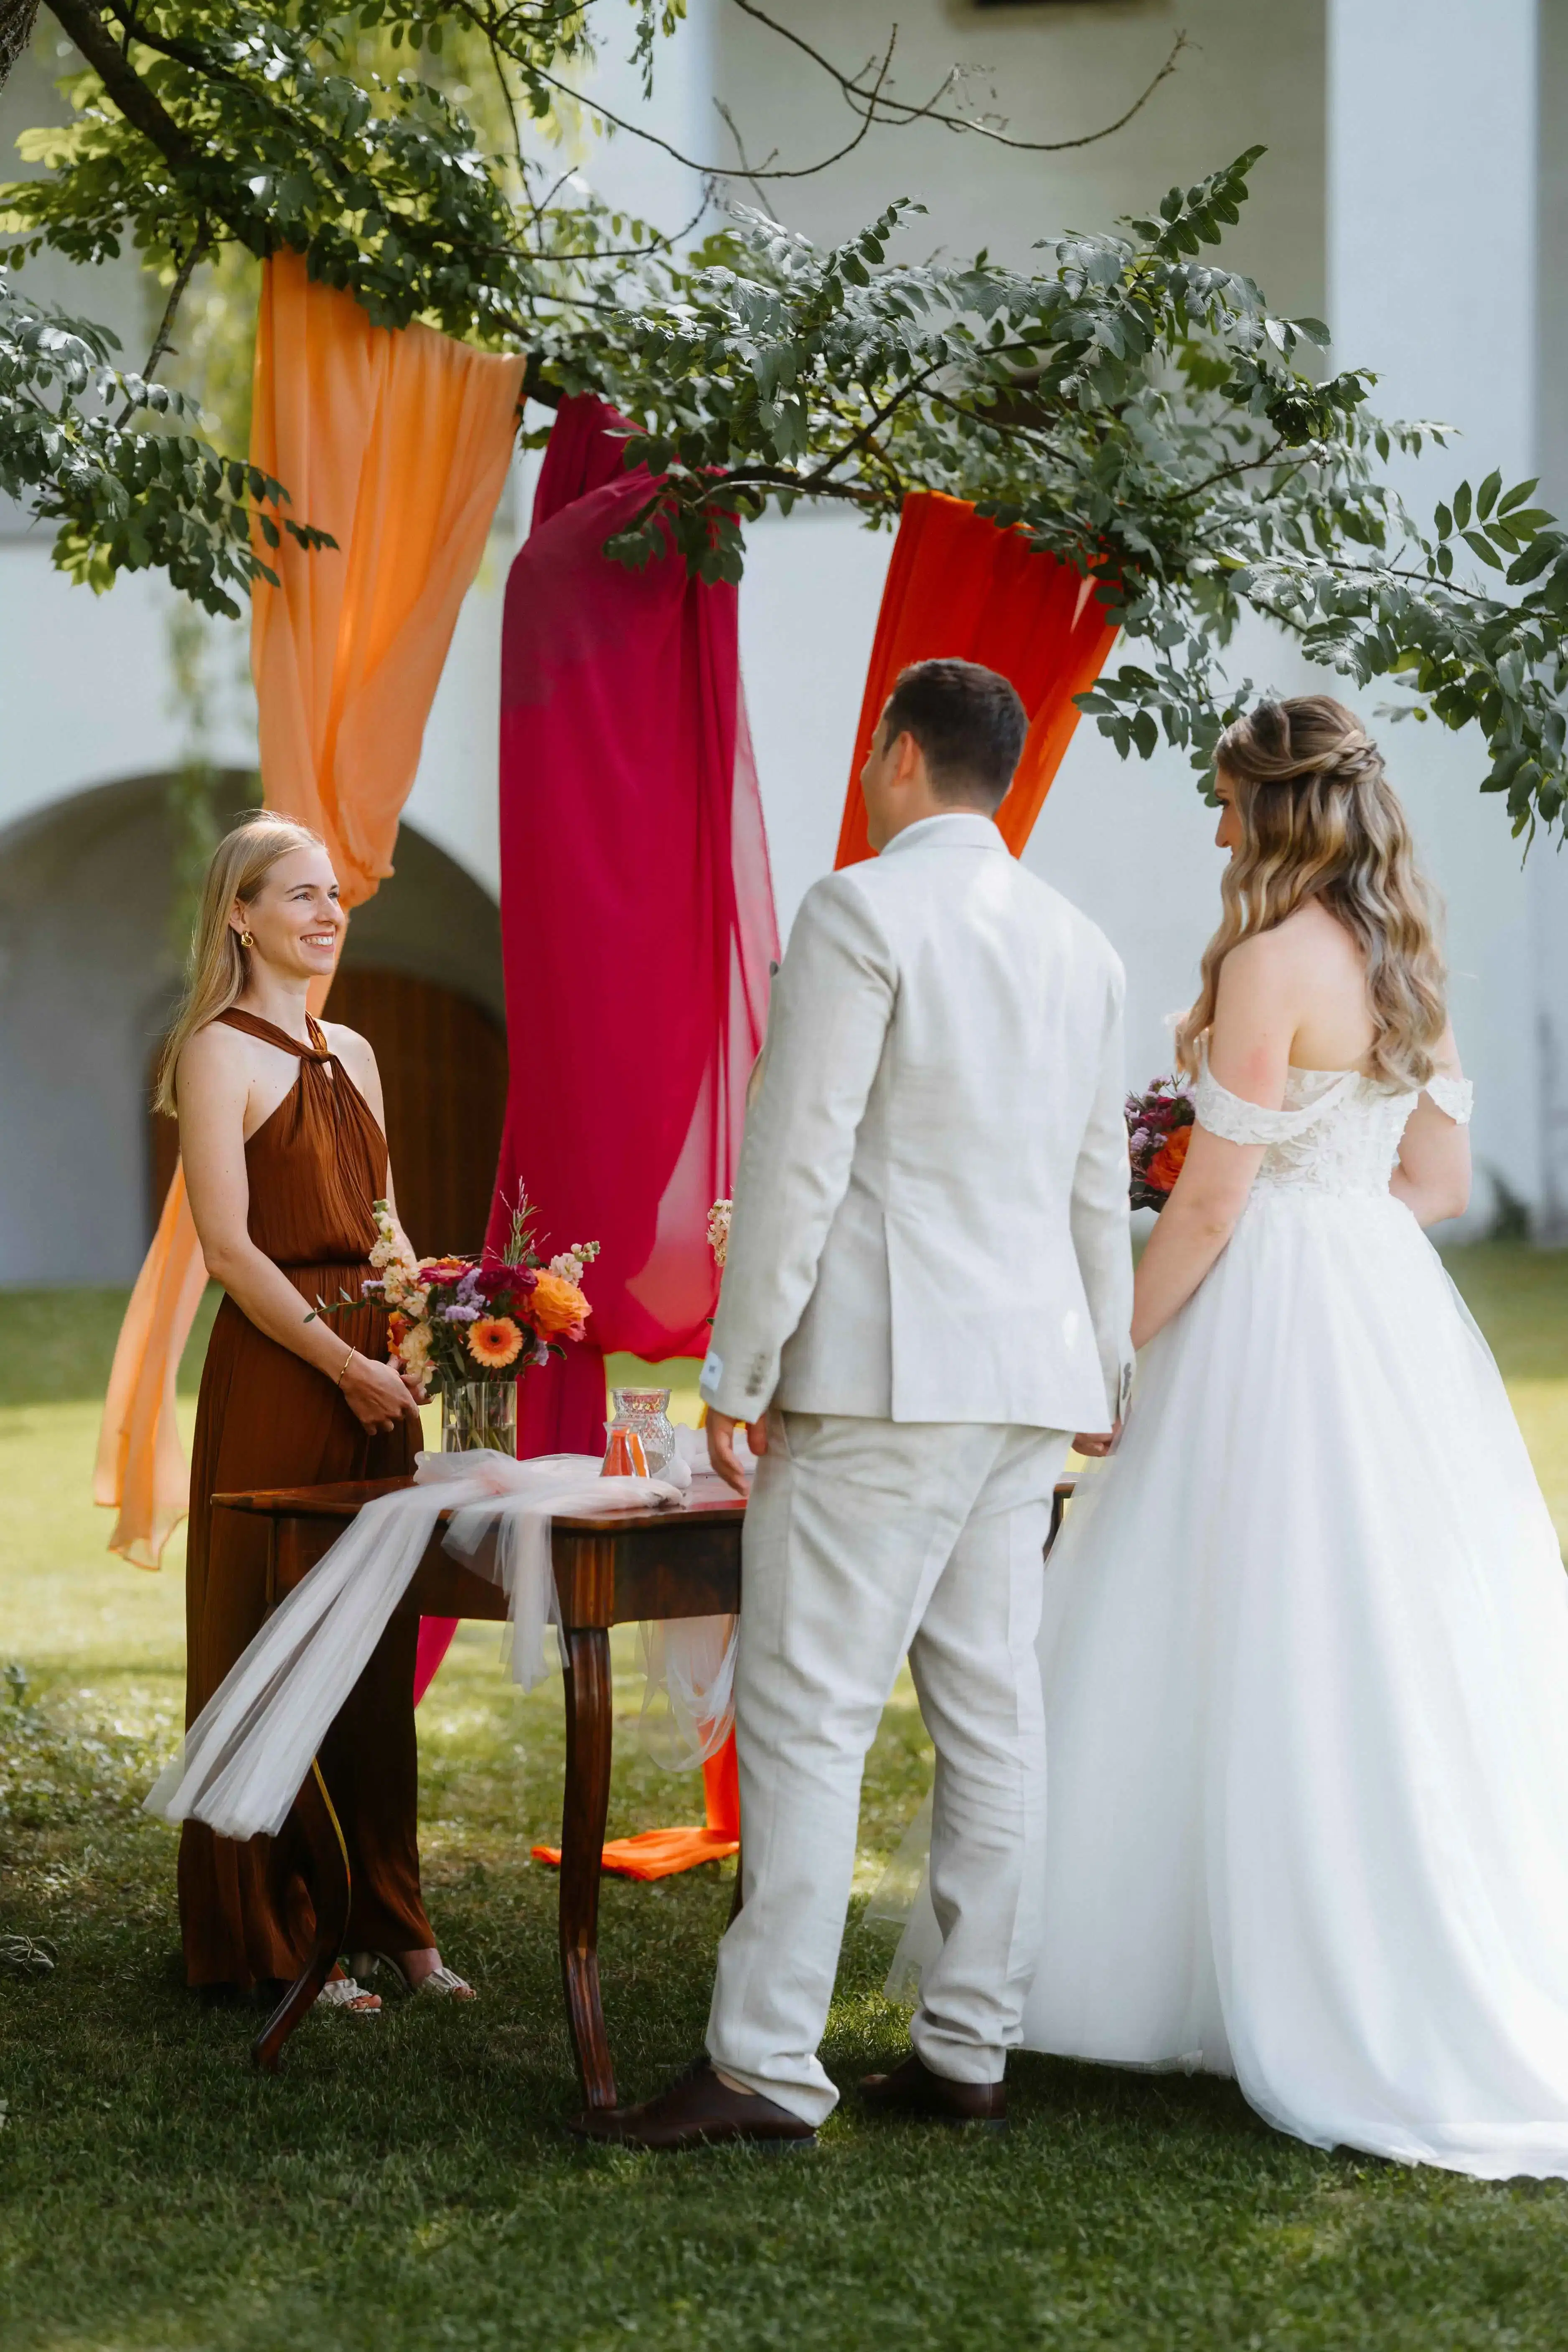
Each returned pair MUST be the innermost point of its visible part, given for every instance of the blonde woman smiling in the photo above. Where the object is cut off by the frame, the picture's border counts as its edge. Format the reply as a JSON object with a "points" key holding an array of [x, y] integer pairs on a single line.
{"points": [[281, 1135]]}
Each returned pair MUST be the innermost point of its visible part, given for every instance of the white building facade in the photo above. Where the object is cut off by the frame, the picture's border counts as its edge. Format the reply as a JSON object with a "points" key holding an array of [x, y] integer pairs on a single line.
{"points": [[1412, 195]]}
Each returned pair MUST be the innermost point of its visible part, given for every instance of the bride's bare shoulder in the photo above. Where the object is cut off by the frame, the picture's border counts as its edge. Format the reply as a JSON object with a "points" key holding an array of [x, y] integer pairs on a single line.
{"points": [[1309, 944]]}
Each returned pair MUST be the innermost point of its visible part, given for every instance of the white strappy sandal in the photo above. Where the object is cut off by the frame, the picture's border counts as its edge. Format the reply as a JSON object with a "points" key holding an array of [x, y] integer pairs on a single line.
{"points": [[441, 1978], [341, 1991]]}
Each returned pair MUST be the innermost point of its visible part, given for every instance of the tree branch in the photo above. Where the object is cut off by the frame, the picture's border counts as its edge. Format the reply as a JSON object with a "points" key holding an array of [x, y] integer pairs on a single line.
{"points": [[183, 277], [900, 112], [140, 107], [713, 170]]}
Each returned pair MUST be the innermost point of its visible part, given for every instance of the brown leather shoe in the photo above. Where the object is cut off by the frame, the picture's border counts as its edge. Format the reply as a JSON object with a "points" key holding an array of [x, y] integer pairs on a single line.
{"points": [[913, 2089], [696, 2111]]}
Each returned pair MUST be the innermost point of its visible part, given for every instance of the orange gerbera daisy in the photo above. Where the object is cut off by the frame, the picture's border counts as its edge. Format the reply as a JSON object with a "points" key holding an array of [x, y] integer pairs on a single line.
{"points": [[494, 1341]]}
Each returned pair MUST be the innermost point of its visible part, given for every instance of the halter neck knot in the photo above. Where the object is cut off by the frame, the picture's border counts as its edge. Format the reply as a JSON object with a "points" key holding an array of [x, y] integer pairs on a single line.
{"points": [[253, 1026]]}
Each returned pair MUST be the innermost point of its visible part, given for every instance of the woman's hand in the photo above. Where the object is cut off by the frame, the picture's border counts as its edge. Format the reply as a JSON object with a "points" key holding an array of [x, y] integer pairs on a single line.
{"points": [[378, 1397], [1095, 1447]]}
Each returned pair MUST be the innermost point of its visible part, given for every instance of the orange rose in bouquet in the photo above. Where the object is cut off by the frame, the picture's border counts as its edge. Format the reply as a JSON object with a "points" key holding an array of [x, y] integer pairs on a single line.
{"points": [[1159, 1135], [1166, 1164], [556, 1307]]}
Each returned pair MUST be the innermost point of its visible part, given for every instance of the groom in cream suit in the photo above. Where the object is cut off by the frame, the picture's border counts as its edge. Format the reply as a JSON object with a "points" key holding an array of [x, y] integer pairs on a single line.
{"points": [[928, 1286]]}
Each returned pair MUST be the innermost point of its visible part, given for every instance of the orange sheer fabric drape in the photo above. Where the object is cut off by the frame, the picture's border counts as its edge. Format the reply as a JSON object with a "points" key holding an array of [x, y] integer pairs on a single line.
{"points": [[398, 444], [961, 586], [665, 1853]]}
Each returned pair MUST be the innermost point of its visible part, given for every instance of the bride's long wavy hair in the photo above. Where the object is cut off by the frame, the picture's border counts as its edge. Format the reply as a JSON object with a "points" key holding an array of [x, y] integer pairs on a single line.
{"points": [[219, 965], [1319, 820]]}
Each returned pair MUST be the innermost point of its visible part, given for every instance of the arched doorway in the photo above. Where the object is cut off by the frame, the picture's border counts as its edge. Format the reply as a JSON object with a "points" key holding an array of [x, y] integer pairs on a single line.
{"points": [[88, 977], [442, 1060]]}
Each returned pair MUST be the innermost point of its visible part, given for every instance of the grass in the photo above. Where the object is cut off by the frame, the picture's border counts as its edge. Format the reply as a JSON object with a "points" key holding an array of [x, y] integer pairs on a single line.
{"points": [[406, 2184]]}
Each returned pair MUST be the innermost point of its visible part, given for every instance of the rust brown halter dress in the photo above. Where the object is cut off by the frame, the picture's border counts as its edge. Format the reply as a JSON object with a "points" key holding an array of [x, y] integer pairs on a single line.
{"points": [[265, 1418]]}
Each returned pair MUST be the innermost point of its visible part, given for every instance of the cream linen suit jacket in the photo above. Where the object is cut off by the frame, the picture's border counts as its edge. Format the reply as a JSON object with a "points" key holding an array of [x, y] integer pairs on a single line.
{"points": [[932, 1219]]}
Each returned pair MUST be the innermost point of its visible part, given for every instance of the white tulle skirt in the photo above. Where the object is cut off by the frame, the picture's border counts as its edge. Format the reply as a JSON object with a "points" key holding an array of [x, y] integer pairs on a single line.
{"points": [[1305, 1655]]}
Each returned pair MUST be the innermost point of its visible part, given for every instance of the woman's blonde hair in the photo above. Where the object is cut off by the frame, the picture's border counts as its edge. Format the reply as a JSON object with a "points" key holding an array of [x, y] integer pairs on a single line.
{"points": [[1319, 820], [219, 966]]}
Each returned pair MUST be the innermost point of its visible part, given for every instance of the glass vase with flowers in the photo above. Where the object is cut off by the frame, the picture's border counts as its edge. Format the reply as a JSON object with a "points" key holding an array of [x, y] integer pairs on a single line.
{"points": [[470, 1328]]}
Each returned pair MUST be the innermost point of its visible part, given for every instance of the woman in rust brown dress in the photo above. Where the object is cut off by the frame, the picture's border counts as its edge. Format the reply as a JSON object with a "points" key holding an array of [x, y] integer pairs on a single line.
{"points": [[280, 1133]]}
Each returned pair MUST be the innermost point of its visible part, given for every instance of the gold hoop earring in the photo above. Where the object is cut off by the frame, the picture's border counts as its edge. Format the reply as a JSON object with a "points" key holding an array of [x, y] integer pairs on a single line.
{"points": [[246, 941]]}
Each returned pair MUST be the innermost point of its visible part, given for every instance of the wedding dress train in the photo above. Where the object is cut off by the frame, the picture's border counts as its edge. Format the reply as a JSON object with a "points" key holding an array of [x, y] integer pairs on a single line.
{"points": [[1305, 1657]]}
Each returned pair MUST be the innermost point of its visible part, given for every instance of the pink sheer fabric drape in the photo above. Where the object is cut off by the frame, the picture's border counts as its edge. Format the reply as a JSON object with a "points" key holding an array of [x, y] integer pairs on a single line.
{"points": [[637, 924], [637, 915]]}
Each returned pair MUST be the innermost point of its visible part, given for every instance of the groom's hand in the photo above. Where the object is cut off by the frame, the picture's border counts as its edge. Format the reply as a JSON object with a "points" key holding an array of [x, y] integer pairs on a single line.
{"points": [[1092, 1448], [722, 1447]]}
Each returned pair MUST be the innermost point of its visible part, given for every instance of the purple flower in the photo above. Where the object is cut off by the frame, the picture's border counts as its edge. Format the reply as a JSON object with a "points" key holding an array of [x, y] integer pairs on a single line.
{"points": [[460, 1313]]}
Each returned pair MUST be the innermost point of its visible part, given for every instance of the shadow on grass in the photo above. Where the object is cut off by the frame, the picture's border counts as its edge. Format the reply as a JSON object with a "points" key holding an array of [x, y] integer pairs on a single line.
{"points": [[407, 2181]]}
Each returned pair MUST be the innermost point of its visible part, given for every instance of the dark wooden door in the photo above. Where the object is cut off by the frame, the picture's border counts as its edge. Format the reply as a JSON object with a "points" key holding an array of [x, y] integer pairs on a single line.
{"points": [[443, 1073]]}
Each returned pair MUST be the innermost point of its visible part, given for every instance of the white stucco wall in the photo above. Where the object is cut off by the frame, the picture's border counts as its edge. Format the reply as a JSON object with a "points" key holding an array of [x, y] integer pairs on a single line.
{"points": [[1359, 213], [1432, 282]]}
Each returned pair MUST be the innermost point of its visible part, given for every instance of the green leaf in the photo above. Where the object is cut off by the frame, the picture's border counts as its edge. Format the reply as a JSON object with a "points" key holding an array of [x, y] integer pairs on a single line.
{"points": [[1529, 566], [1487, 494]]}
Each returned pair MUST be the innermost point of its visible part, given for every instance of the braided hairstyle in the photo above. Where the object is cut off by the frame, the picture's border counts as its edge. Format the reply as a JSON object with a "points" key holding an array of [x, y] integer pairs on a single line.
{"points": [[1319, 820]]}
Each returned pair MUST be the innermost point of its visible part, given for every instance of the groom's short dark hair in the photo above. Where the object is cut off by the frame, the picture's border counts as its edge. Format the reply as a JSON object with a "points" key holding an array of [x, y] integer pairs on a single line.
{"points": [[969, 723]]}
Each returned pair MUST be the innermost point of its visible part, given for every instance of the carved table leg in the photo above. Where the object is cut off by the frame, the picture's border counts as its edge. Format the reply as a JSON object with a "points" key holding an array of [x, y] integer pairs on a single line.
{"points": [[588, 1734], [329, 1894]]}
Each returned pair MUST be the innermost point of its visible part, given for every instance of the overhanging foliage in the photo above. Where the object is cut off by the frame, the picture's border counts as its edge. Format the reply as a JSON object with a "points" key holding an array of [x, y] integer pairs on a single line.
{"points": [[1131, 404]]}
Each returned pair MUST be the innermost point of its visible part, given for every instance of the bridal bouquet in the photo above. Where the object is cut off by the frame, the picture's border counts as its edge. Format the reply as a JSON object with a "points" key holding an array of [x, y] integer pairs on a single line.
{"points": [[1159, 1130], [456, 1319]]}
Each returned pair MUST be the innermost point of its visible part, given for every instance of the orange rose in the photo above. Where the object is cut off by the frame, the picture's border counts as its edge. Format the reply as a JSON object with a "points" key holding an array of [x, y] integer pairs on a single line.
{"points": [[557, 1307], [1166, 1164]]}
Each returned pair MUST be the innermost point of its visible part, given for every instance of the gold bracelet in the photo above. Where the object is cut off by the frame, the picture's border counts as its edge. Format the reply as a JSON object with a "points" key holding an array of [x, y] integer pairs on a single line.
{"points": [[348, 1359]]}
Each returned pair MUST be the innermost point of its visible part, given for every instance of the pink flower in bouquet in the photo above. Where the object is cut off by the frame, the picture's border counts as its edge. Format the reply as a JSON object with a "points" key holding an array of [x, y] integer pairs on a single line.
{"points": [[495, 1281], [433, 1270]]}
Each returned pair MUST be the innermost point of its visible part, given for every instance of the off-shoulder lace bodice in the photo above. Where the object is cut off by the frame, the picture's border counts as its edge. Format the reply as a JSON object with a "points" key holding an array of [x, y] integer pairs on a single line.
{"points": [[1336, 1131]]}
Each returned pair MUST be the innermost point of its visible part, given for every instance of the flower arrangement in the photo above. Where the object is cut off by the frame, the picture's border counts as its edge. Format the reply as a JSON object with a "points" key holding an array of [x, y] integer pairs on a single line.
{"points": [[451, 1321], [1159, 1130], [719, 1217]]}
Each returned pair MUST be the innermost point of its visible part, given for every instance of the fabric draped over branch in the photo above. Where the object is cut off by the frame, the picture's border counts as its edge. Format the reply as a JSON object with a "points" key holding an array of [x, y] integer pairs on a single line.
{"points": [[958, 586], [638, 929], [396, 442], [636, 914]]}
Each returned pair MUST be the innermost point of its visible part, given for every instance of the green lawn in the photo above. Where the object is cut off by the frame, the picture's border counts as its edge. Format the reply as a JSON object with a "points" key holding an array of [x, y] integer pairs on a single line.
{"points": [[406, 2184]]}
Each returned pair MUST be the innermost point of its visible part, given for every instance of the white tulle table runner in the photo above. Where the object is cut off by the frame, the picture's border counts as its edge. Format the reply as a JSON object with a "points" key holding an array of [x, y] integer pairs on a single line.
{"points": [[246, 1753]]}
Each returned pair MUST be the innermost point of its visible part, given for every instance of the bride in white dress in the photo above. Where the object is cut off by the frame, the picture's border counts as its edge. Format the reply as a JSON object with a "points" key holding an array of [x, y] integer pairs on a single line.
{"points": [[1305, 1642]]}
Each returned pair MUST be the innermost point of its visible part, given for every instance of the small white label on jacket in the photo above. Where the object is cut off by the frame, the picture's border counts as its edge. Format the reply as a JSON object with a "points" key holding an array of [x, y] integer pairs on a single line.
{"points": [[713, 1371]]}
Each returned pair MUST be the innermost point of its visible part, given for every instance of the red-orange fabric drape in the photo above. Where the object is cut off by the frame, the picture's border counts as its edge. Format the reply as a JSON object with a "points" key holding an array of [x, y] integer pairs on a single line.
{"points": [[396, 442], [959, 585]]}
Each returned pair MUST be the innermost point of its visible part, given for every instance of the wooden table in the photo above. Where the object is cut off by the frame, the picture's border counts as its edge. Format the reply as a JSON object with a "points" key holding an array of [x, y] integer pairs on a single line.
{"points": [[610, 1568]]}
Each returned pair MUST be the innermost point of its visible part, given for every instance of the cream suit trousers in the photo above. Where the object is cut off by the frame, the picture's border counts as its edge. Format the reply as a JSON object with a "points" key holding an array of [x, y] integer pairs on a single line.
{"points": [[866, 1540]]}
